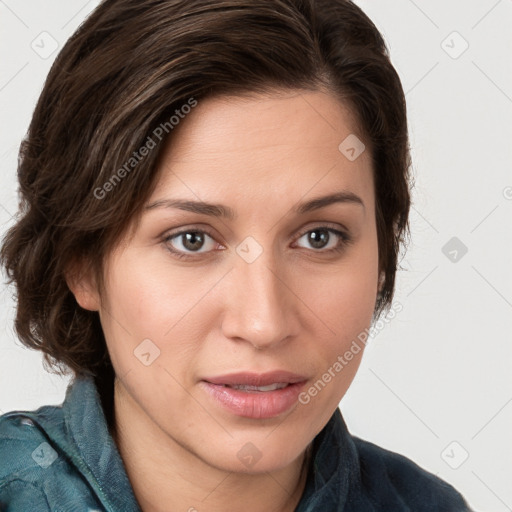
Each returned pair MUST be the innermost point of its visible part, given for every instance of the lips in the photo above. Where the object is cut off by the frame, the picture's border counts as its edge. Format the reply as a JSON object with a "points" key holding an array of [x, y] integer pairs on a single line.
{"points": [[256, 396]]}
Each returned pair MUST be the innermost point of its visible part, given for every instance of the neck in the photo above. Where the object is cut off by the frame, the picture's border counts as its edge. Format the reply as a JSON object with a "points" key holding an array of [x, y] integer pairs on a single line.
{"points": [[167, 476]]}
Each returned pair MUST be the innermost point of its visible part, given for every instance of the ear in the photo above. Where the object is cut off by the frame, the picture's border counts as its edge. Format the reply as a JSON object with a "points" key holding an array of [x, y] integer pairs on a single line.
{"points": [[80, 280]]}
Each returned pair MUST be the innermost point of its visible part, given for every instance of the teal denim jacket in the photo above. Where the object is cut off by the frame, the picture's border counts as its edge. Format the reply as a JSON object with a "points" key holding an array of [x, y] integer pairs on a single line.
{"points": [[63, 459]]}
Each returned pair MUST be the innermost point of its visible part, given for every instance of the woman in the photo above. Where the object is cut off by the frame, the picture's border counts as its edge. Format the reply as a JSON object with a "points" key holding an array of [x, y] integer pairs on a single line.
{"points": [[214, 196]]}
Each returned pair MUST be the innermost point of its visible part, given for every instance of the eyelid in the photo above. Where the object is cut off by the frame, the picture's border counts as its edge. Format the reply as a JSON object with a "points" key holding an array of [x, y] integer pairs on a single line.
{"points": [[325, 225], [189, 229]]}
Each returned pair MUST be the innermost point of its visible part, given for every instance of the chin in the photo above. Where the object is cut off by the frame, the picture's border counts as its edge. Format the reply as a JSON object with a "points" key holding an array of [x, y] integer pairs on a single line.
{"points": [[259, 453]]}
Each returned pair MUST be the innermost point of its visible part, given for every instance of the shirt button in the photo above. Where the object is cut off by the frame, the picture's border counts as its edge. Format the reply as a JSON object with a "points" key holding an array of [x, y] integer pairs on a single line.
{"points": [[26, 421]]}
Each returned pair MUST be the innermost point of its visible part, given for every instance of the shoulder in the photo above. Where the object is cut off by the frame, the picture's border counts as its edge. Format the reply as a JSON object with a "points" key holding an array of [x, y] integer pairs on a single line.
{"points": [[386, 475], [23, 443], [24, 454], [33, 465]]}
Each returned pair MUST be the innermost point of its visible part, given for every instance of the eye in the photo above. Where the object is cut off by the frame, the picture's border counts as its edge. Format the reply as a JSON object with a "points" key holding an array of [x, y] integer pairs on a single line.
{"points": [[189, 242], [186, 243], [326, 238]]}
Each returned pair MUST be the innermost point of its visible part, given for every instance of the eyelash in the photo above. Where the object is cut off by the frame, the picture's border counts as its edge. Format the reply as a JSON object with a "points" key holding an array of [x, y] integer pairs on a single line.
{"points": [[345, 240]]}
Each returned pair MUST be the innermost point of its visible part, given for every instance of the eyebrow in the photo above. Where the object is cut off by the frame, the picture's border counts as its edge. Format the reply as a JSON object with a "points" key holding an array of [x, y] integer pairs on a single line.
{"points": [[220, 210]]}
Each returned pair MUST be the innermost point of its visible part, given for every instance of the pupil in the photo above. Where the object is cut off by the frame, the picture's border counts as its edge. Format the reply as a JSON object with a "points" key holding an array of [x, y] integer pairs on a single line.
{"points": [[193, 240], [318, 241]]}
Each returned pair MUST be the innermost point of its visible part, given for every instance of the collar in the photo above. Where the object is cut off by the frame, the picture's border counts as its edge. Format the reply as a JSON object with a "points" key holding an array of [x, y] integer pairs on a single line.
{"points": [[87, 426], [334, 465], [81, 432]]}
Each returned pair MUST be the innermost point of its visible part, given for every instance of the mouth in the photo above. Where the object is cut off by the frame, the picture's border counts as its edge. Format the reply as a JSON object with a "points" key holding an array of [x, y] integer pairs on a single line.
{"points": [[280, 378], [258, 389], [256, 396]]}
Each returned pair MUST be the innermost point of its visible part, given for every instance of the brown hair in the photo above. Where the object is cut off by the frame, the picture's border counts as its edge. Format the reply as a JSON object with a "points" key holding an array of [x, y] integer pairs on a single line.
{"points": [[128, 69]]}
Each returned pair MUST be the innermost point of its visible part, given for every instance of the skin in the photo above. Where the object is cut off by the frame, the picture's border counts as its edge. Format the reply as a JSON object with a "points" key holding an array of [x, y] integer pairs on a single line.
{"points": [[296, 307]]}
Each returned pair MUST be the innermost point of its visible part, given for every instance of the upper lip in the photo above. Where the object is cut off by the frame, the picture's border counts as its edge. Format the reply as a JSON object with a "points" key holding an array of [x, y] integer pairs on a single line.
{"points": [[256, 379]]}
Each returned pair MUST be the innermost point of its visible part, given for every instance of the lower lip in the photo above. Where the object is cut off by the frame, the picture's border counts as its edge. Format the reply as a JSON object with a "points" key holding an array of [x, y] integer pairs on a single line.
{"points": [[255, 404]]}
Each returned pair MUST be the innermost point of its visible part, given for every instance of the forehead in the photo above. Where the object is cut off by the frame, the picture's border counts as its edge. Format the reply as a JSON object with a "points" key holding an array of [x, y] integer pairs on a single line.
{"points": [[262, 122], [264, 142]]}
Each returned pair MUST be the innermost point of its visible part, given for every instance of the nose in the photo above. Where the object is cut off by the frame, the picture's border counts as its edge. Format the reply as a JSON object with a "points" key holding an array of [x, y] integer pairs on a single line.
{"points": [[261, 308]]}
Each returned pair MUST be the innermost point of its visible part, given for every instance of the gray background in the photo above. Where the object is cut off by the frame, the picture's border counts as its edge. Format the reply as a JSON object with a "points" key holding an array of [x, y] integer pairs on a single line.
{"points": [[435, 381]]}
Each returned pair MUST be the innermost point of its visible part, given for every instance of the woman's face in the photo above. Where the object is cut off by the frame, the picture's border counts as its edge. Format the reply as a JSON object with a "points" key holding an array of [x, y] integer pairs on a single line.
{"points": [[269, 286]]}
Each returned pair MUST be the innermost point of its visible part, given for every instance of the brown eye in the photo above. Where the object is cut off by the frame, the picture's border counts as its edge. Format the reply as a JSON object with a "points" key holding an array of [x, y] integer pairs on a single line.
{"points": [[325, 239], [192, 241], [189, 242], [318, 238]]}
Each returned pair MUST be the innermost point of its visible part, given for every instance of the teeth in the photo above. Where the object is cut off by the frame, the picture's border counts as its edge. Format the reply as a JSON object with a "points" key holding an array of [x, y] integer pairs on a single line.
{"points": [[270, 387]]}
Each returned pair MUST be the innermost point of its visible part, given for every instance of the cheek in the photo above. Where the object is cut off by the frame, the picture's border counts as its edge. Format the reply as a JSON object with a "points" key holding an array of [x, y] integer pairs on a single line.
{"points": [[343, 300], [147, 295], [344, 295], [149, 299]]}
